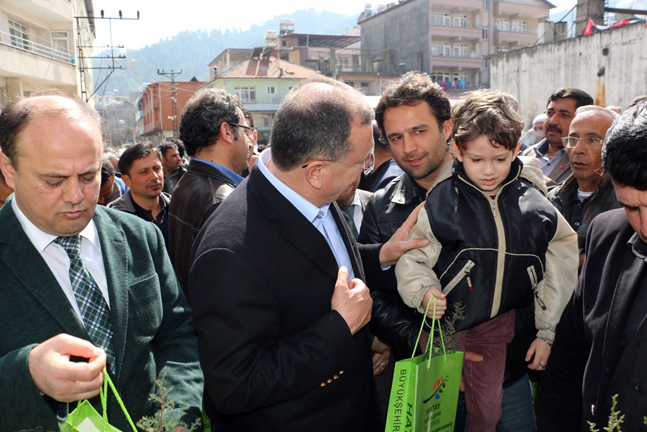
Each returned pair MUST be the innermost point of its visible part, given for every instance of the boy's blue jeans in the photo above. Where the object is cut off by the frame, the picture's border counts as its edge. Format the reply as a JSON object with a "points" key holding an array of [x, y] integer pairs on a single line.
{"points": [[518, 414]]}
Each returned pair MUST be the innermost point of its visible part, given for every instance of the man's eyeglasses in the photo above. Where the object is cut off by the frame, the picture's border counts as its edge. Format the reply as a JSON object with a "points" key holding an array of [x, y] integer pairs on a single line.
{"points": [[366, 166], [249, 131], [571, 142]]}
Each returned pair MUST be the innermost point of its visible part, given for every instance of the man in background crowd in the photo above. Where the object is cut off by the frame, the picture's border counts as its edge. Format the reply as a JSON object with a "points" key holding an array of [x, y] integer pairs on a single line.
{"points": [[219, 140], [587, 192], [550, 151], [141, 169]]}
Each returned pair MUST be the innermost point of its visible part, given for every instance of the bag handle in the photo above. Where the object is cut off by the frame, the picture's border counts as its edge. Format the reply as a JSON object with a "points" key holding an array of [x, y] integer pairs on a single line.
{"points": [[104, 399], [103, 394], [431, 332]]}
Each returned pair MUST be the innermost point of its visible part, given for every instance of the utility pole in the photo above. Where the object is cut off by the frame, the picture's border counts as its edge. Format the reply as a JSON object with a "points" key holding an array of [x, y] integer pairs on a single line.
{"points": [[83, 84], [172, 75]]}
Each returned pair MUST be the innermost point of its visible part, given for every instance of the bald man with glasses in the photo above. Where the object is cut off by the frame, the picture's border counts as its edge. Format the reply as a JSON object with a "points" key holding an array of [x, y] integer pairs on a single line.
{"points": [[587, 192]]}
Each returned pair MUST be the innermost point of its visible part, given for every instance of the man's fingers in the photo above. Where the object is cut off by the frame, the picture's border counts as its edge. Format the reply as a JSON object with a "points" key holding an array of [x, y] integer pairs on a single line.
{"points": [[412, 219], [342, 277], [472, 357], [73, 346]]}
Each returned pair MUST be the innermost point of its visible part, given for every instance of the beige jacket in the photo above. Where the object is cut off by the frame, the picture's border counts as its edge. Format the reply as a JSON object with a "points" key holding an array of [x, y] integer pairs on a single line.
{"points": [[415, 275]]}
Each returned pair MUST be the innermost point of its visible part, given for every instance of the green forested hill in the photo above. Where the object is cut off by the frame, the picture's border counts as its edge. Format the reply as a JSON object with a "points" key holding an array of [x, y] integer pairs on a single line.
{"points": [[191, 51]]}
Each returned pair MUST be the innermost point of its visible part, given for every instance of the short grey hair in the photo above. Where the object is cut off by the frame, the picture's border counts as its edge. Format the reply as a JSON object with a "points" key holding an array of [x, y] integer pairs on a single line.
{"points": [[315, 121]]}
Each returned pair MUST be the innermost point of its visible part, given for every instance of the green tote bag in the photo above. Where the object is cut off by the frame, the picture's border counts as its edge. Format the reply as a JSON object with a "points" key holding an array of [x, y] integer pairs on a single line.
{"points": [[424, 394], [86, 419]]}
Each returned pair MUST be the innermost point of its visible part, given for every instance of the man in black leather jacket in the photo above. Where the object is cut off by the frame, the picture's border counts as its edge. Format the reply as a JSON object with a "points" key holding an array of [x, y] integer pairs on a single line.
{"points": [[414, 116], [218, 138]]}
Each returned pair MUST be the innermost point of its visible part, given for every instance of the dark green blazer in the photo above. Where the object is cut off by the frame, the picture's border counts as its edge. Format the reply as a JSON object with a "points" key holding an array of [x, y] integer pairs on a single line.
{"points": [[151, 320]]}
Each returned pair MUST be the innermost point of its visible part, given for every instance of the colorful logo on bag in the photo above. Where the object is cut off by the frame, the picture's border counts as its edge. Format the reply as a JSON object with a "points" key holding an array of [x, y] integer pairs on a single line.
{"points": [[438, 389]]}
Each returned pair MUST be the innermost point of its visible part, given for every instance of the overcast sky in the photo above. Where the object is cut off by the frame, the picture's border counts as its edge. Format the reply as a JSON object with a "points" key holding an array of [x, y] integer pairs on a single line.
{"points": [[161, 19]]}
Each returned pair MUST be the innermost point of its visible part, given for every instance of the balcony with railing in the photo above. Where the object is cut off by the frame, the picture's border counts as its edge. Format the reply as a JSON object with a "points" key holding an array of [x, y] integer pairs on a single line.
{"points": [[456, 33], [466, 5], [520, 10], [439, 61], [22, 57], [24, 44], [514, 37]]}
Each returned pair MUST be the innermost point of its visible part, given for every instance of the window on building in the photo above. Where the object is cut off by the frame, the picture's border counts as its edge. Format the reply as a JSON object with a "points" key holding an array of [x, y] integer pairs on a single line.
{"points": [[501, 49], [344, 62], [245, 94], [485, 4], [518, 26], [486, 62], [441, 19], [460, 50], [441, 49], [458, 76], [60, 45], [502, 24], [18, 35], [440, 76], [486, 33], [284, 43], [460, 20], [271, 90], [350, 83]]}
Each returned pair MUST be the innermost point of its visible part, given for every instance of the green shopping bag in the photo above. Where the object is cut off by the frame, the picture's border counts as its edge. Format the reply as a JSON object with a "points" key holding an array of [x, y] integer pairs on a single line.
{"points": [[86, 419], [424, 394]]}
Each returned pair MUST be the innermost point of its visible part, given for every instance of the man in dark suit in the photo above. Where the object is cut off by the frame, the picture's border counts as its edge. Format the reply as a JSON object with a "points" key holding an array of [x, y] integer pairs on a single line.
{"points": [[601, 341], [277, 281], [83, 287]]}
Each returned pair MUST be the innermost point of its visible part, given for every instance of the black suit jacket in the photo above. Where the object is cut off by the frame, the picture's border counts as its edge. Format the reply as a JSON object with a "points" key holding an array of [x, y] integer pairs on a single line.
{"points": [[576, 385], [275, 356]]}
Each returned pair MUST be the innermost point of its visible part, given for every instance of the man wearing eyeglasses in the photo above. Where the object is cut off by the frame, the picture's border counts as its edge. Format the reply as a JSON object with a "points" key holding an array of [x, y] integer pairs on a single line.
{"points": [[218, 138], [587, 192], [278, 285]]}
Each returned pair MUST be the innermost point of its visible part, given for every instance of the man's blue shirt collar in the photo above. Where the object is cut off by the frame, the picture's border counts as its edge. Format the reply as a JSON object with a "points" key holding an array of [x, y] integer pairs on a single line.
{"points": [[226, 171]]}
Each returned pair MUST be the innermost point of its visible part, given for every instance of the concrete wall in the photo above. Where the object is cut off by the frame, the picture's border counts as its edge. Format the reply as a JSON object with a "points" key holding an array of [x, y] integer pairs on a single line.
{"points": [[404, 29], [610, 65]]}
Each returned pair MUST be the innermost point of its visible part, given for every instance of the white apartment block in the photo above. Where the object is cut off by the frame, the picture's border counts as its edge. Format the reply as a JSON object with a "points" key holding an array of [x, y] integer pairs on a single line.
{"points": [[38, 40]]}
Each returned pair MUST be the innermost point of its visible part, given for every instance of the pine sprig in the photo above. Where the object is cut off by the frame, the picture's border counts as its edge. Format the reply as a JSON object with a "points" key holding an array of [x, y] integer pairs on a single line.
{"points": [[161, 421]]}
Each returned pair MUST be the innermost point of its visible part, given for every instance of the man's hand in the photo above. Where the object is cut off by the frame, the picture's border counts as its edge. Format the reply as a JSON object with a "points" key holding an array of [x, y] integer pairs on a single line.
{"points": [[381, 355], [352, 300], [539, 352], [399, 242], [61, 379], [470, 357]]}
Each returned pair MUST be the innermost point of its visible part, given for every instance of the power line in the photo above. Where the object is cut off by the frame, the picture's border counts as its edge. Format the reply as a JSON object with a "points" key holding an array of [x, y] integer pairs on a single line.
{"points": [[172, 74]]}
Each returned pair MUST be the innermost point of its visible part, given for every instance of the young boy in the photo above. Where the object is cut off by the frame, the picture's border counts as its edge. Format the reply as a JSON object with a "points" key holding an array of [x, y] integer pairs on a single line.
{"points": [[496, 243]]}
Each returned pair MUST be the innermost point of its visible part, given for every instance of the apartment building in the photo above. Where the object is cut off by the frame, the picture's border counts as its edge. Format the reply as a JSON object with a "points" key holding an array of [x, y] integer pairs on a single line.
{"points": [[38, 40], [229, 58], [451, 40], [337, 56], [159, 106], [261, 83]]}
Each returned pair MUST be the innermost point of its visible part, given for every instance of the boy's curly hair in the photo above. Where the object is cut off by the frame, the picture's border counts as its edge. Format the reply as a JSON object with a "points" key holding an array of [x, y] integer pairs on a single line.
{"points": [[491, 113]]}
